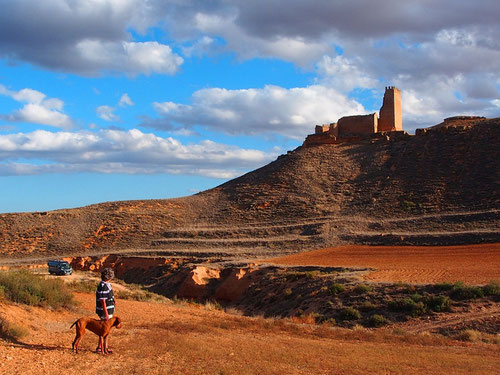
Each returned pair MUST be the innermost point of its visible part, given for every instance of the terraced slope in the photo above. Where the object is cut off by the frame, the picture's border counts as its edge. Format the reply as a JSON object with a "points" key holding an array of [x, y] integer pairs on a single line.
{"points": [[438, 187]]}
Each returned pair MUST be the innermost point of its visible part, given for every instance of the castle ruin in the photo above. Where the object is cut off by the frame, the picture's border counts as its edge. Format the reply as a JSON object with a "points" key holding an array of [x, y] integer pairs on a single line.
{"points": [[353, 127]]}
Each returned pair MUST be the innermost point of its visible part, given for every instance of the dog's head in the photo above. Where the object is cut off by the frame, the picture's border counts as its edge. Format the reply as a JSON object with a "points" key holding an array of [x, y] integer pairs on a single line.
{"points": [[117, 323]]}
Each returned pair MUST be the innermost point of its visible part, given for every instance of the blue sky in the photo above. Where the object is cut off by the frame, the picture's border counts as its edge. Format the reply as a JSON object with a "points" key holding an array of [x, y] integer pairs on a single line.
{"points": [[104, 100]]}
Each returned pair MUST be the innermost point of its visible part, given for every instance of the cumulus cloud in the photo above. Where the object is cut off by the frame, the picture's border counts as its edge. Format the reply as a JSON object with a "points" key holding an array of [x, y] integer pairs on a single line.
{"points": [[392, 42], [106, 113], [38, 109], [125, 101], [272, 110], [127, 57], [85, 37], [416, 45], [118, 151]]}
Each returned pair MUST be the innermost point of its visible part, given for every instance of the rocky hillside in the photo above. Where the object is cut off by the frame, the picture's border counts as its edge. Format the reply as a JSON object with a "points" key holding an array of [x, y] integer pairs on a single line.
{"points": [[437, 187]]}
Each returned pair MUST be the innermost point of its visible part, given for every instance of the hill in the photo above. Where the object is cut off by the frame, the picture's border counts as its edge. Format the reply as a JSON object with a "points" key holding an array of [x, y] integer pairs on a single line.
{"points": [[438, 187]]}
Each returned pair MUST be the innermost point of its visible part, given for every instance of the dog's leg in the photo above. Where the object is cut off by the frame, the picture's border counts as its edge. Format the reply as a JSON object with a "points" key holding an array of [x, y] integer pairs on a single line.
{"points": [[105, 348], [99, 348], [77, 340]]}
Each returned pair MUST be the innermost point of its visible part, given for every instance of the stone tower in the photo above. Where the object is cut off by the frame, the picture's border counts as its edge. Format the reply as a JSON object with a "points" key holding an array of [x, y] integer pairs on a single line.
{"points": [[390, 113]]}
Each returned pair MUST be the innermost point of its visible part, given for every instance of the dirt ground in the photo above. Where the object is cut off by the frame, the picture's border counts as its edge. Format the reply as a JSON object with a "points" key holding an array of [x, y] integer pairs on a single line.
{"points": [[167, 338], [474, 264]]}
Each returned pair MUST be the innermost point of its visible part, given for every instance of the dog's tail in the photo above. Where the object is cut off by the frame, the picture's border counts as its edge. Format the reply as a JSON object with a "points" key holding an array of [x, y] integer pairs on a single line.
{"points": [[74, 323]]}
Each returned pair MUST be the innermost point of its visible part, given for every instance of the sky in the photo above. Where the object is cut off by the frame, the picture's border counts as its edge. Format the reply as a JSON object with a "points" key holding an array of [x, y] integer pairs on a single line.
{"points": [[105, 100]]}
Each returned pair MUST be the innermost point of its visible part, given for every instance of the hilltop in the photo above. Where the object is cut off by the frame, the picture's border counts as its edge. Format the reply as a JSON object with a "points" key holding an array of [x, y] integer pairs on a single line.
{"points": [[437, 187]]}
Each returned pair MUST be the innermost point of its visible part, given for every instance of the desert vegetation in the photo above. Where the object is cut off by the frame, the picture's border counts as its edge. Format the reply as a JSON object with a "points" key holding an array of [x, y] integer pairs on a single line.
{"points": [[34, 290]]}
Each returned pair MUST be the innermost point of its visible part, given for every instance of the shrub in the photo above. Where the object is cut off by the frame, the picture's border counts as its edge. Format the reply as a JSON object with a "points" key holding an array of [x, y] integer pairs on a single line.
{"points": [[312, 274], [11, 332], [350, 313], [416, 297], [377, 320], [492, 288], [367, 306], [30, 289], [408, 205], [336, 288], [438, 303], [460, 291], [409, 305], [87, 286], [444, 286], [362, 288], [469, 335]]}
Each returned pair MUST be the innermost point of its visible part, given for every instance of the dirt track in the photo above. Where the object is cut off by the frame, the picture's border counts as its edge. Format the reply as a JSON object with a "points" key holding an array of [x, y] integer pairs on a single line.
{"points": [[475, 264]]}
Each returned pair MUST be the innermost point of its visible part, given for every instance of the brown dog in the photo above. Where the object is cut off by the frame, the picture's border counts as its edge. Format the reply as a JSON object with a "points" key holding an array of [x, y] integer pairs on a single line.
{"points": [[100, 327]]}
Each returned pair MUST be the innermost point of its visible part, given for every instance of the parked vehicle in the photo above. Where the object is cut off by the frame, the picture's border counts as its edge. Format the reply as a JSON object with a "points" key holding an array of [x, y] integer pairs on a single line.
{"points": [[59, 267]]}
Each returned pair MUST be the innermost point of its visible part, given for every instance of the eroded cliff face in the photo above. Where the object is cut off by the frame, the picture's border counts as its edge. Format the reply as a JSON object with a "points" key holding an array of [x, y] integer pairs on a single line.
{"points": [[174, 277]]}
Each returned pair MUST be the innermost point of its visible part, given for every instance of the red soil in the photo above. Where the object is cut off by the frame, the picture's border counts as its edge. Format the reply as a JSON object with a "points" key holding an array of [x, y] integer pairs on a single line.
{"points": [[164, 338], [475, 264]]}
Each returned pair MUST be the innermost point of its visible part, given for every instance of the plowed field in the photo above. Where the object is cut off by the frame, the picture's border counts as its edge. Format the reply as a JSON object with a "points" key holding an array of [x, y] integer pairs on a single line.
{"points": [[474, 264]]}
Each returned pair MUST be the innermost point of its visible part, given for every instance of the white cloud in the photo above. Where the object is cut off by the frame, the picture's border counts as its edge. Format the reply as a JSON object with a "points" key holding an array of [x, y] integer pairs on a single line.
{"points": [[344, 74], [106, 113], [128, 57], [118, 151], [38, 109], [86, 37], [395, 42], [125, 101], [204, 45], [272, 110], [291, 48]]}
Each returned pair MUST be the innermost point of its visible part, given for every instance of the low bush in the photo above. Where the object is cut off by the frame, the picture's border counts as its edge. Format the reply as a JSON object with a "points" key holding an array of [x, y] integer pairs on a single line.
{"points": [[140, 295], [469, 335], [438, 303], [367, 306], [85, 286], [349, 313], [362, 289], [444, 286], [312, 274], [30, 289], [377, 320], [408, 305], [492, 288], [416, 297], [336, 288], [11, 332], [460, 291]]}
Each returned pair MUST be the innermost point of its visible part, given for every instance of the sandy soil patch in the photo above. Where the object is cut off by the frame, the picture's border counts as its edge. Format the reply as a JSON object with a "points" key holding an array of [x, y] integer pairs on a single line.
{"points": [[476, 264]]}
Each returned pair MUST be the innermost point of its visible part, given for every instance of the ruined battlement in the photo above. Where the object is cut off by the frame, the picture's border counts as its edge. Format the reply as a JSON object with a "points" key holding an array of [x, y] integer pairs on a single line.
{"points": [[352, 127]]}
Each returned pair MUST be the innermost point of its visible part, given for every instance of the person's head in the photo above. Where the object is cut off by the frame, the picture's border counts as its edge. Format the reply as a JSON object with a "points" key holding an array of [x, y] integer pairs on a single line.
{"points": [[107, 274]]}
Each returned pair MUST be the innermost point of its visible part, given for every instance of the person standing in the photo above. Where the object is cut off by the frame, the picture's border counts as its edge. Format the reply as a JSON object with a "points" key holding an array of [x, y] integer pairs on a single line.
{"points": [[105, 299]]}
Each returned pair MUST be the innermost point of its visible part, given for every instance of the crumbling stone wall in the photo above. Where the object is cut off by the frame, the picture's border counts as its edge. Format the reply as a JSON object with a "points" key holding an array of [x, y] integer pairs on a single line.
{"points": [[320, 129], [357, 125]]}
